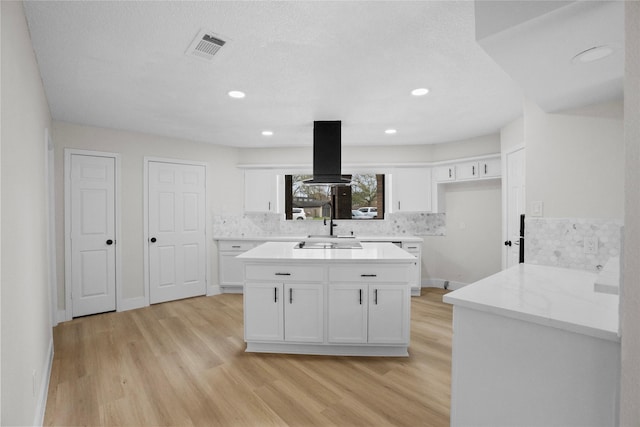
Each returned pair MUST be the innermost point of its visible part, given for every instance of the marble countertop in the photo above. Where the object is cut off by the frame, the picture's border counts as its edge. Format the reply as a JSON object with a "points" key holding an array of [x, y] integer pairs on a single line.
{"points": [[410, 239], [549, 296], [370, 252]]}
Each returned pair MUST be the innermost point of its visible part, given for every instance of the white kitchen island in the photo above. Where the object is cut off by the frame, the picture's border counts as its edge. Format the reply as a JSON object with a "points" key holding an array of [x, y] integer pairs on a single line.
{"points": [[331, 301], [534, 346]]}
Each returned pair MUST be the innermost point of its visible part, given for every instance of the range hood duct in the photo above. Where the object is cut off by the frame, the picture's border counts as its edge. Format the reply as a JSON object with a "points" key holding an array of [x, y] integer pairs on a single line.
{"points": [[327, 152]]}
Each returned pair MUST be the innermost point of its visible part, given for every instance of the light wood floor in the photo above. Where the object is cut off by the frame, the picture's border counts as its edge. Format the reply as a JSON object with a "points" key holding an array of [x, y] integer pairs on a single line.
{"points": [[183, 363]]}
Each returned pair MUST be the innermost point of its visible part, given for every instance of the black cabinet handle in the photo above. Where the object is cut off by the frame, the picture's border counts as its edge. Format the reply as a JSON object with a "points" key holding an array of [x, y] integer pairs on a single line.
{"points": [[360, 290], [449, 172], [275, 294], [368, 275], [507, 243], [109, 242], [283, 274], [153, 240], [485, 168], [375, 296], [473, 170], [290, 295]]}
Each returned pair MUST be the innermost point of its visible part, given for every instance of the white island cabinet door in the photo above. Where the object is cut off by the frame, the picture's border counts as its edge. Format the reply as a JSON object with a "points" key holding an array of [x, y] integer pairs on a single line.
{"points": [[347, 311], [389, 315], [304, 313], [263, 312]]}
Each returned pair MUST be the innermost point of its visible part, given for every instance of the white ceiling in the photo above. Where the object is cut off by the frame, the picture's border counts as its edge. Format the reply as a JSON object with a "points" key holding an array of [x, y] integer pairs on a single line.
{"points": [[123, 65]]}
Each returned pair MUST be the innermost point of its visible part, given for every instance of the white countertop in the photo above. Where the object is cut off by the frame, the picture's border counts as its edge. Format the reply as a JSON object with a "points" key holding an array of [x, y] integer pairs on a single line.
{"points": [[370, 252], [550, 296], [411, 239]]}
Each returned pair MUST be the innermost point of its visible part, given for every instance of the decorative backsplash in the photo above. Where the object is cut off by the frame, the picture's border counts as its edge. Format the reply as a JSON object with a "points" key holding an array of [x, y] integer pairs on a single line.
{"points": [[268, 224], [560, 242]]}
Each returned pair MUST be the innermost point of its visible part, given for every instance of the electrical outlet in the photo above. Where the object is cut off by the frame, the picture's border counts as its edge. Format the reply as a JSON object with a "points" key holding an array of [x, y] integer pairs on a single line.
{"points": [[590, 245]]}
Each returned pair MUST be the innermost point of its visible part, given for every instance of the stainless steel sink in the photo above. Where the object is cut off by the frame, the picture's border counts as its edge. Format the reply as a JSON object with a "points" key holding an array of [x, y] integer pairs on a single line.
{"points": [[353, 244]]}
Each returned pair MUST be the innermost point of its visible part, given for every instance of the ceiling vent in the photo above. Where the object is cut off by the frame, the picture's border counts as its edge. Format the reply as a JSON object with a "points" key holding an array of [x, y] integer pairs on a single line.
{"points": [[205, 45]]}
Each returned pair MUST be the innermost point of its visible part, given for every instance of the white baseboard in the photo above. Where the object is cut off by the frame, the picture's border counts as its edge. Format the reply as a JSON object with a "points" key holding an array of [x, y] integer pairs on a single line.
{"points": [[38, 419], [443, 284], [214, 290], [132, 303]]}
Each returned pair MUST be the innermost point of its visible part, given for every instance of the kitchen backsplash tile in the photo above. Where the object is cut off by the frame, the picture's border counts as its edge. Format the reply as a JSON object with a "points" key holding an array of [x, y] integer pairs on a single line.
{"points": [[268, 224], [560, 242]]}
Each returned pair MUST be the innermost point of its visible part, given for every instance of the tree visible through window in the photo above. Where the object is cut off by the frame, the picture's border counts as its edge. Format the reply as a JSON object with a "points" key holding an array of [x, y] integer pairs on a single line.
{"points": [[364, 199]]}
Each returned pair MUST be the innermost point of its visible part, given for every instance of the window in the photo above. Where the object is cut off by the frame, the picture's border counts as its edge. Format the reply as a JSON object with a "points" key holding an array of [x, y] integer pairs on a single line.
{"points": [[363, 199]]}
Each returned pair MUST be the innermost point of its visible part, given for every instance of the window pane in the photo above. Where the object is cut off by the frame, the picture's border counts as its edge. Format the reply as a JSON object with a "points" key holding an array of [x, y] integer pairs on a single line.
{"points": [[364, 199]]}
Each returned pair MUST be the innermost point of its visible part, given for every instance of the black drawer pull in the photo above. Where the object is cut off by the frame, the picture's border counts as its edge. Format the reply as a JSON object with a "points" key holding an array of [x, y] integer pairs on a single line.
{"points": [[236, 246], [283, 274], [368, 275]]}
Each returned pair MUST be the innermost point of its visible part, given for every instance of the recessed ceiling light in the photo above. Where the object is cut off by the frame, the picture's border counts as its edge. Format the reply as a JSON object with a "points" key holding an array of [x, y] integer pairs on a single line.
{"points": [[593, 54], [267, 132], [236, 94], [420, 91], [390, 131]]}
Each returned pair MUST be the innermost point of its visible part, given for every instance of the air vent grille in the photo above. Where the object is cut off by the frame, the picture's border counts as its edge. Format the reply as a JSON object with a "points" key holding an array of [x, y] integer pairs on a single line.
{"points": [[205, 45]]}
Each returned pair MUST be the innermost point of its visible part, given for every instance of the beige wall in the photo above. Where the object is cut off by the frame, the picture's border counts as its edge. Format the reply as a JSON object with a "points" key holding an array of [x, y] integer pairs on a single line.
{"points": [[224, 188], [472, 248], [26, 329], [630, 298], [574, 163], [488, 144]]}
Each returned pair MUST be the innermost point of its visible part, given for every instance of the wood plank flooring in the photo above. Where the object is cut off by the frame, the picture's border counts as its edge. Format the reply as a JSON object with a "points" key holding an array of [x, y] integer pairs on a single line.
{"points": [[183, 363]]}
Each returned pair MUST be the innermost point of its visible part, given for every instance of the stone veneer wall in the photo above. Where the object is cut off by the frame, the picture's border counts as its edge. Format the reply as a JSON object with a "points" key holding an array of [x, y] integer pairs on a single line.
{"points": [[268, 224], [559, 242]]}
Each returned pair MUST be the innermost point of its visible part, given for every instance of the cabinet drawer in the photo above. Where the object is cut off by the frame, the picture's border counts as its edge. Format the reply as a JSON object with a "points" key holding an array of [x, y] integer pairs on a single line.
{"points": [[284, 273], [369, 273], [239, 246]]}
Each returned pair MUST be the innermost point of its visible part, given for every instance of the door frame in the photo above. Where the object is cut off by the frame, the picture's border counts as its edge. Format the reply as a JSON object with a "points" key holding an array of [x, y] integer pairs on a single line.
{"points": [[50, 182], [145, 226], [505, 197], [68, 152]]}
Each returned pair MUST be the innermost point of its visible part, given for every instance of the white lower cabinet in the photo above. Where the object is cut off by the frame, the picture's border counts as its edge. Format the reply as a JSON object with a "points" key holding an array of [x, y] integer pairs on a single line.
{"points": [[284, 312], [263, 312], [364, 313], [304, 313], [357, 309], [231, 269], [347, 313], [389, 314]]}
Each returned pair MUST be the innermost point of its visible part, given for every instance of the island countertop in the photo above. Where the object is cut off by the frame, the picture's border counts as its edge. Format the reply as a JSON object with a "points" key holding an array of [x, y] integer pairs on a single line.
{"points": [[550, 296], [369, 253]]}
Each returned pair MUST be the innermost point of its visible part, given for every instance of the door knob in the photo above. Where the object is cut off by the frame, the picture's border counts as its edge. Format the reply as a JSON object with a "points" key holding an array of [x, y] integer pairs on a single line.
{"points": [[507, 243], [109, 242], [153, 240]]}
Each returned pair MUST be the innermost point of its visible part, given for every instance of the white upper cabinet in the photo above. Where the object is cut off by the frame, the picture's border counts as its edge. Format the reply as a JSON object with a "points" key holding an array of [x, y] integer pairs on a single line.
{"points": [[261, 191], [490, 168], [467, 170], [445, 173], [411, 190]]}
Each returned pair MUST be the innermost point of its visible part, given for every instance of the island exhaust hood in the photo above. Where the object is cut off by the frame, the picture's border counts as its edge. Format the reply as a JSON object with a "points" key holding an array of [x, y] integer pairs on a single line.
{"points": [[327, 151]]}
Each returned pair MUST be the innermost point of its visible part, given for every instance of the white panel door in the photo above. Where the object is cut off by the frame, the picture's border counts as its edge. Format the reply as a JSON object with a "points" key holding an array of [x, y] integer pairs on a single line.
{"points": [[515, 204], [304, 313], [347, 312], [177, 243], [389, 306], [93, 266]]}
